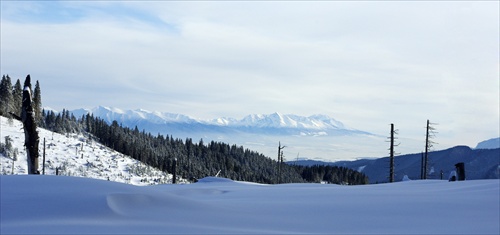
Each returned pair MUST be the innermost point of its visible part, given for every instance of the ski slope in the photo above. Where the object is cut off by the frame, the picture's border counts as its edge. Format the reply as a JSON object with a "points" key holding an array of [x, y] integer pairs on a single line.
{"points": [[42, 204]]}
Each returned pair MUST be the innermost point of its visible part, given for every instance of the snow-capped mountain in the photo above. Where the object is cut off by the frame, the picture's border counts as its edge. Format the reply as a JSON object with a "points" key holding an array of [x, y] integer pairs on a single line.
{"points": [[75, 155], [110, 114], [274, 120], [316, 136]]}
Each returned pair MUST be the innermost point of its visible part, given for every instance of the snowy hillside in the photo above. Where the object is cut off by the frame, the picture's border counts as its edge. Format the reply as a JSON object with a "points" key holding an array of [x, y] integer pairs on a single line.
{"points": [[76, 155], [69, 205]]}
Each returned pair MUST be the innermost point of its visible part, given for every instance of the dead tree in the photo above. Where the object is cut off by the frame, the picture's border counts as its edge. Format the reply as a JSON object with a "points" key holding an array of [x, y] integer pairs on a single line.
{"points": [[391, 152], [391, 156], [31, 138], [430, 133], [280, 161]]}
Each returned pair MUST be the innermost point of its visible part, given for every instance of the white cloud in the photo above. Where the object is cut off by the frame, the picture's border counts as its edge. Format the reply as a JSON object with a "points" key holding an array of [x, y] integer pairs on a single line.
{"points": [[366, 63]]}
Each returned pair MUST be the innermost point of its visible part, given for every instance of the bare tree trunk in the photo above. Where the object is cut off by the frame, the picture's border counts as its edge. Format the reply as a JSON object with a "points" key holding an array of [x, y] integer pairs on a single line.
{"points": [[391, 158], [30, 133]]}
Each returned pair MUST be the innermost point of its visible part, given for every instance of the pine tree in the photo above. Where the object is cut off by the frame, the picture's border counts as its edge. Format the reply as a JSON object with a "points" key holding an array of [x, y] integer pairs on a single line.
{"points": [[17, 98], [6, 96], [37, 102]]}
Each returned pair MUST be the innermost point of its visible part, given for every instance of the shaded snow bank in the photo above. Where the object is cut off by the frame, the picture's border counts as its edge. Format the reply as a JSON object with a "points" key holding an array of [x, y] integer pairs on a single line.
{"points": [[59, 204]]}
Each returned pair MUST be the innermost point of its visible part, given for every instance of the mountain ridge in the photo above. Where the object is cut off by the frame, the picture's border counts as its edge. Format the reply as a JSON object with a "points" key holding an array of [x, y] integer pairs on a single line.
{"points": [[479, 164], [315, 137], [273, 120], [489, 144]]}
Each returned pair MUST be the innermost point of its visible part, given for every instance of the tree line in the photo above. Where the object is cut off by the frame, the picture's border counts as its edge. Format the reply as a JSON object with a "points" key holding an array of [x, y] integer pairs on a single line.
{"points": [[194, 159], [11, 98]]}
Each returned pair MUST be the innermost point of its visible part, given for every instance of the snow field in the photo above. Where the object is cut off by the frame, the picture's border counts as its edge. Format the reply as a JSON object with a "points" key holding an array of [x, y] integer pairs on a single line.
{"points": [[62, 204]]}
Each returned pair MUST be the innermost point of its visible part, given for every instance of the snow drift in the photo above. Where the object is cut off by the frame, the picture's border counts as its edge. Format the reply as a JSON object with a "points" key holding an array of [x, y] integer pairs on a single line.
{"points": [[62, 204]]}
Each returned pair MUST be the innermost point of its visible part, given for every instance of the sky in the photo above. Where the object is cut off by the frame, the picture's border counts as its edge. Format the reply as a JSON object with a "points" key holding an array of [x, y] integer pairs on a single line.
{"points": [[365, 63]]}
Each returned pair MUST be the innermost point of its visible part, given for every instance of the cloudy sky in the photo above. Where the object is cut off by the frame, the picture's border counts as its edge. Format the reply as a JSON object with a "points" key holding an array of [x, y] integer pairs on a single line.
{"points": [[367, 64]]}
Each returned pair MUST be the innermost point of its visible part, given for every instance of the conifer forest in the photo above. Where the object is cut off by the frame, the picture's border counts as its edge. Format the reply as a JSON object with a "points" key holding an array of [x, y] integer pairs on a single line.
{"points": [[194, 159]]}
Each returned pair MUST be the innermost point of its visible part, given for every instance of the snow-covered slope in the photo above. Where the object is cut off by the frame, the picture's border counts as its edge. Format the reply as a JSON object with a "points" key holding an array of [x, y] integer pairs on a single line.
{"points": [[76, 155], [69, 205]]}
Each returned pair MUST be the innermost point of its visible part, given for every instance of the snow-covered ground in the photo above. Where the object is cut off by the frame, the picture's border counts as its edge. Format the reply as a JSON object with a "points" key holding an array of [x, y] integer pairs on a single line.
{"points": [[76, 155], [98, 201], [42, 204]]}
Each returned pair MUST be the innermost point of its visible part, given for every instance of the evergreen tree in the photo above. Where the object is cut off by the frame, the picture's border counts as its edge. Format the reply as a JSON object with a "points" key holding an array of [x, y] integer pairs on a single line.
{"points": [[196, 159], [17, 98], [37, 102], [6, 96]]}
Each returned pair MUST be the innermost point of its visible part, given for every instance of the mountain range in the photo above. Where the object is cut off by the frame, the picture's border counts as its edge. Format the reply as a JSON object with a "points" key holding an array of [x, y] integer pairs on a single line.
{"points": [[312, 137], [290, 123], [316, 136], [480, 163]]}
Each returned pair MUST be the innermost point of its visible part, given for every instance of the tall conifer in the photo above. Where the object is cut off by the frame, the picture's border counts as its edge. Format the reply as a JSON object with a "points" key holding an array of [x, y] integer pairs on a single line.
{"points": [[17, 98], [37, 102], [5, 96]]}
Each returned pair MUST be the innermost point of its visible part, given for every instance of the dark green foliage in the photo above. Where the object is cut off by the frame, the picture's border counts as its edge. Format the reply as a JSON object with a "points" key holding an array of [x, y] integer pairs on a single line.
{"points": [[37, 102], [11, 98], [6, 96], [195, 159], [63, 122], [17, 98], [331, 174]]}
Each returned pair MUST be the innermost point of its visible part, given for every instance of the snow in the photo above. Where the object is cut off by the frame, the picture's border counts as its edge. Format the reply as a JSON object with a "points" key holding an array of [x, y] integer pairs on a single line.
{"points": [[76, 155], [361, 168], [276, 120], [61, 204], [100, 202]]}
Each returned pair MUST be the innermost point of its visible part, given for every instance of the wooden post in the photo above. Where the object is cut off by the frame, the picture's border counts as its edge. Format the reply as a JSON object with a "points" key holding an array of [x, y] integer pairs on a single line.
{"points": [[43, 163], [13, 166], [174, 171], [422, 167]]}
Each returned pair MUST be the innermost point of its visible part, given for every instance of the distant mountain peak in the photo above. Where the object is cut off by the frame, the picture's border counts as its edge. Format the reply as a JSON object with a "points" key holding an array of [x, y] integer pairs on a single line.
{"points": [[270, 124], [493, 143], [273, 120]]}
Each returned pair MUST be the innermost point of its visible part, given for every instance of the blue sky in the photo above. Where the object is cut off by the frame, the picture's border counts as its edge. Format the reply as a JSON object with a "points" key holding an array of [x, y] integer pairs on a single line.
{"points": [[367, 64]]}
